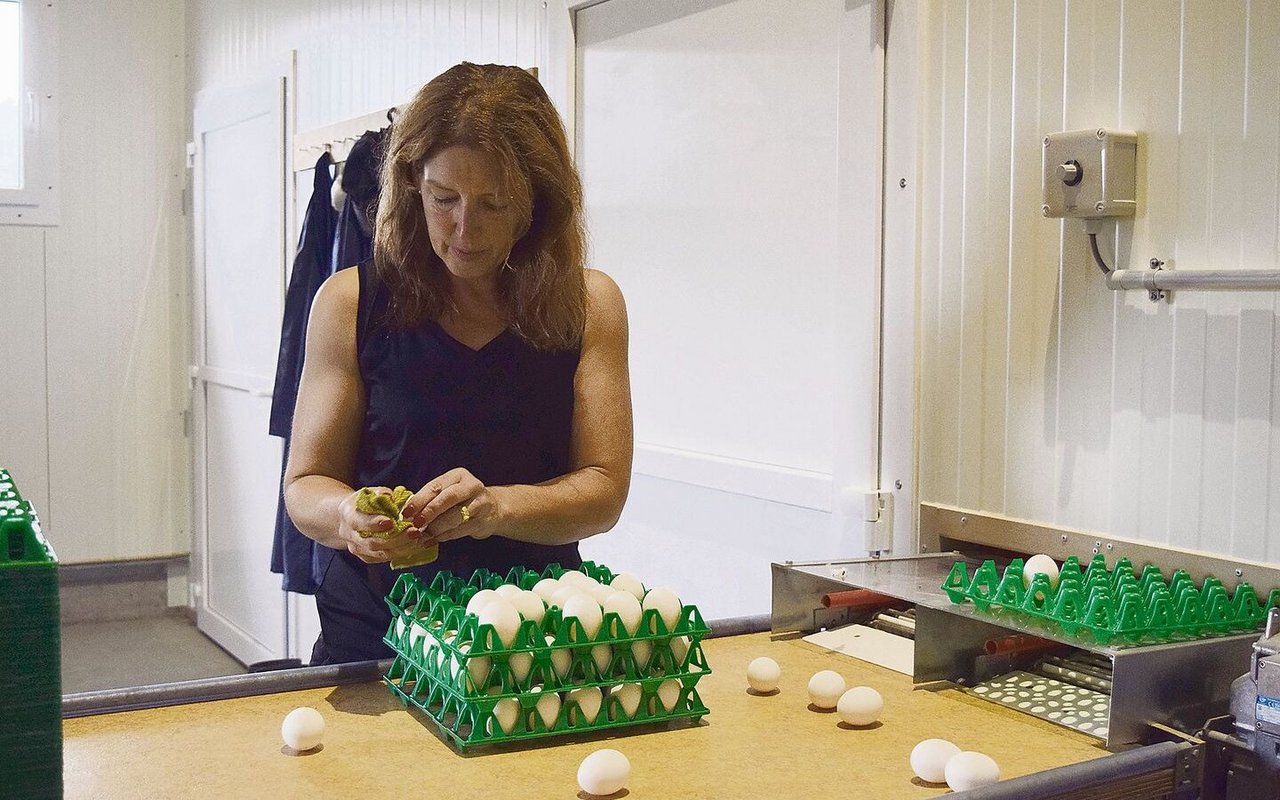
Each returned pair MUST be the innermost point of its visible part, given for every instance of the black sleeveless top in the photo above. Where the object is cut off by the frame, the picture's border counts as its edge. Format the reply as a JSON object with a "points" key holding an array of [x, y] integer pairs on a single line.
{"points": [[504, 412]]}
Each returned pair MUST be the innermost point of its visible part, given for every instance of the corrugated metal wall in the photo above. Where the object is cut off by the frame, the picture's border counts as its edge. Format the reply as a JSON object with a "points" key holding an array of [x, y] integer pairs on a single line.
{"points": [[1045, 395]]}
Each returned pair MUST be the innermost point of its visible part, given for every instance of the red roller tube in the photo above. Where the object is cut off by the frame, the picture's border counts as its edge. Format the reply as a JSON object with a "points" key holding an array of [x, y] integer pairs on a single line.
{"points": [[1018, 644], [857, 598]]}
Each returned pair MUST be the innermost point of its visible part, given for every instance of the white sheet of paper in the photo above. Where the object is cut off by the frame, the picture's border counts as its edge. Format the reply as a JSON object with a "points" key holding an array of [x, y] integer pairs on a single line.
{"points": [[868, 644]]}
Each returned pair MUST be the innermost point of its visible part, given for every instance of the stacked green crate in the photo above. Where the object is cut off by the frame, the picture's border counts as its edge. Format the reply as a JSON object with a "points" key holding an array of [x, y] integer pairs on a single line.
{"points": [[30, 671], [438, 646]]}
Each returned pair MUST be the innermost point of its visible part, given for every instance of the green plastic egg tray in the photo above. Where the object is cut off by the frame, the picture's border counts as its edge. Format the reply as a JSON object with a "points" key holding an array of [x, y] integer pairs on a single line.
{"points": [[434, 671], [30, 652], [1117, 605]]}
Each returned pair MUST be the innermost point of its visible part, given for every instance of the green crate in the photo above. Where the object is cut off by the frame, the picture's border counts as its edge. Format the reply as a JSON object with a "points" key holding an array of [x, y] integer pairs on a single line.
{"points": [[434, 672], [1113, 605], [30, 649]]}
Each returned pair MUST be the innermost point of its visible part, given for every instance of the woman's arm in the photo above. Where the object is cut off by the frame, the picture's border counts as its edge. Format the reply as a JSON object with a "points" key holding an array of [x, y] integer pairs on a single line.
{"points": [[589, 498], [326, 429]]}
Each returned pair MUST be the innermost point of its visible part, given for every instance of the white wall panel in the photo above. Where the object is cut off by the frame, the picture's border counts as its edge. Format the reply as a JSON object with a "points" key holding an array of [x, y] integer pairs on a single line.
{"points": [[24, 443], [112, 274], [1108, 412], [355, 56]]}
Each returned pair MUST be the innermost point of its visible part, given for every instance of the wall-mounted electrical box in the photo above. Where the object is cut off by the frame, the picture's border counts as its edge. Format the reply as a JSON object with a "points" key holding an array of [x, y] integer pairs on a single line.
{"points": [[1090, 173]]}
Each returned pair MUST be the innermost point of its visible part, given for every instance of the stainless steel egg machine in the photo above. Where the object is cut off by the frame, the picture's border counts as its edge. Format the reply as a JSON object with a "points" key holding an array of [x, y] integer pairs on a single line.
{"points": [[1198, 718]]}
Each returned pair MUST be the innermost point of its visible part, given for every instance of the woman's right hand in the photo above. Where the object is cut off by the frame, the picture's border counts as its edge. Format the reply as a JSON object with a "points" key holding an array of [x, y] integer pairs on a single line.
{"points": [[373, 549]]}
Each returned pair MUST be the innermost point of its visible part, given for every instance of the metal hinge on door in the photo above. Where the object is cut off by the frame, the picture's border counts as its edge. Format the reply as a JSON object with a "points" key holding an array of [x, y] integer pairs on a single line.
{"points": [[877, 522]]}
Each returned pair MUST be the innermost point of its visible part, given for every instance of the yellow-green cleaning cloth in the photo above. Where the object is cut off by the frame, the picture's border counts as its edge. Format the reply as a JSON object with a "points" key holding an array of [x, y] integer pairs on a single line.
{"points": [[369, 501]]}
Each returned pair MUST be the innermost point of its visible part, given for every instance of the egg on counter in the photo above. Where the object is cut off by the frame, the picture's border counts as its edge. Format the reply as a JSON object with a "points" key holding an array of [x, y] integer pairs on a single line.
{"points": [[970, 770], [604, 772], [929, 759], [302, 729], [860, 706], [763, 674], [825, 688]]}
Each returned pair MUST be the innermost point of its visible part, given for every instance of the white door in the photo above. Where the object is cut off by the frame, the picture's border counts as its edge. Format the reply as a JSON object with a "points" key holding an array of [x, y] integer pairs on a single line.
{"points": [[238, 294], [731, 158]]}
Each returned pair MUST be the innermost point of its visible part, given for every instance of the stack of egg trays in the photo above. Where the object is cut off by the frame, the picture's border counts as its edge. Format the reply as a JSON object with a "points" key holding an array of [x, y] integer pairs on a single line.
{"points": [[30, 669], [1117, 605], [433, 673]]}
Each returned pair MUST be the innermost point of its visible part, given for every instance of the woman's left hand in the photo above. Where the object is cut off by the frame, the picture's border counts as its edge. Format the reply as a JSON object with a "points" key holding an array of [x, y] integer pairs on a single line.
{"points": [[452, 506]]}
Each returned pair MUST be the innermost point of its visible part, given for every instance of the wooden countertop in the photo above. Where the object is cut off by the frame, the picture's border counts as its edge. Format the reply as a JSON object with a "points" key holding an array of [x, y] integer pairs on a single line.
{"points": [[747, 747]]}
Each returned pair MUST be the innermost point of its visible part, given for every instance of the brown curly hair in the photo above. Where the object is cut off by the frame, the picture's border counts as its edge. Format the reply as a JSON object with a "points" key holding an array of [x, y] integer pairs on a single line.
{"points": [[502, 111]]}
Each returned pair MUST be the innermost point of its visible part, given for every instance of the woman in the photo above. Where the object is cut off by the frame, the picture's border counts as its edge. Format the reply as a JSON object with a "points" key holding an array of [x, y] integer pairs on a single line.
{"points": [[475, 360]]}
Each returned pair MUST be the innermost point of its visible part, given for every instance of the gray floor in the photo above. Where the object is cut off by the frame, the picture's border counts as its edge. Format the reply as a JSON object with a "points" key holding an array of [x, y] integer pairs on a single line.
{"points": [[159, 648]]}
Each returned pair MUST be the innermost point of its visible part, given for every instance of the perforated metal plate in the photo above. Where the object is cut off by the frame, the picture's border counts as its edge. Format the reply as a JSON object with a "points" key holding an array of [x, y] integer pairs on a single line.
{"points": [[1080, 709]]}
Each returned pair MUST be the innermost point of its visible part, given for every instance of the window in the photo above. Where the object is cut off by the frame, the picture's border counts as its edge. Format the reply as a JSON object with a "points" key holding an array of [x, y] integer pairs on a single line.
{"points": [[28, 113]]}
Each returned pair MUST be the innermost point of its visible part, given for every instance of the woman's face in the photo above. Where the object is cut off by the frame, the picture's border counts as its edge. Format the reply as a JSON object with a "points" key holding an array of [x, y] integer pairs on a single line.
{"points": [[470, 217]]}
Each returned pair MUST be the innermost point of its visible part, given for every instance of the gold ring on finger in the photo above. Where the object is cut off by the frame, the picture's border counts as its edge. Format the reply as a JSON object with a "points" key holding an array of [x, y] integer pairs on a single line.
{"points": [[466, 513]]}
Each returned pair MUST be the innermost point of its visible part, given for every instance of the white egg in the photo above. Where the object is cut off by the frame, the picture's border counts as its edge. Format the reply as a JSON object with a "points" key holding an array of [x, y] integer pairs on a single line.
{"points": [[601, 593], [530, 606], [545, 588], [548, 707], [669, 694], [679, 649], [507, 591], [1037, 564], [479, 599], [666, 603], [642, 650], [825, 688], [503, 617], [626, 582], [302, 729], [763, 674], [860, 706], [587, 611], [506, 711], [601, 655], [477, 669], [564, 594], [604, 772], [416, 632], [586, 702], [628, 695], [929, 759], [574, 577], [399, 628], [561, 659], [969, 770], [520, 664], [628, 609]]}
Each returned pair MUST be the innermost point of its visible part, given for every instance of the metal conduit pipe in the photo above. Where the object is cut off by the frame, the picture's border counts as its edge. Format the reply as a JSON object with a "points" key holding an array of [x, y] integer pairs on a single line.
{"points": [[1203, 279]]}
